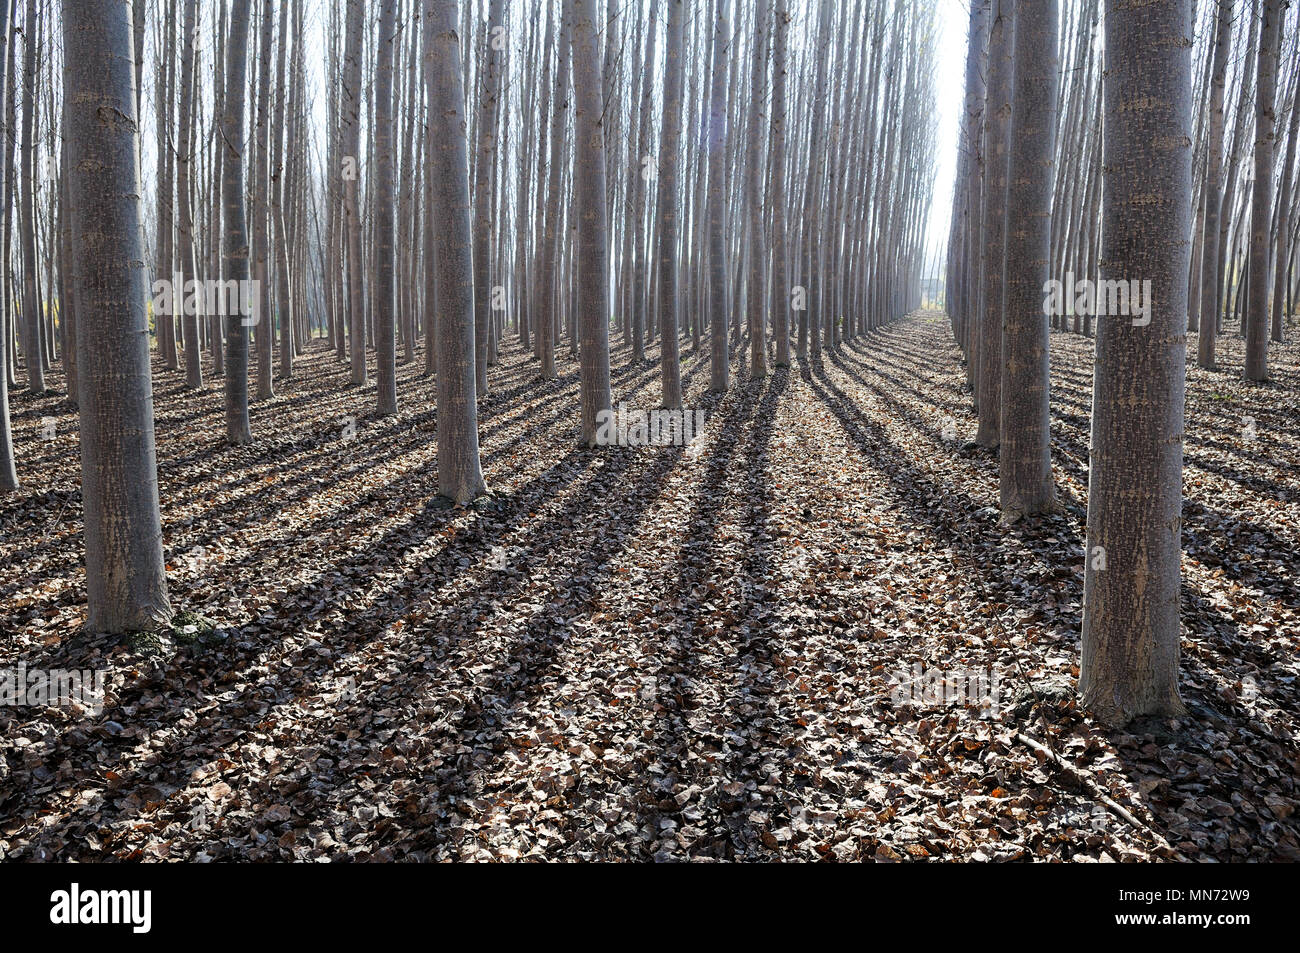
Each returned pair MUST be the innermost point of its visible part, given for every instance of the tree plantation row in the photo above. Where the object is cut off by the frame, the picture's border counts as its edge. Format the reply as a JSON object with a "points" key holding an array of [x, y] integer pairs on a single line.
{"points": [[489, 429], [529, 172]]}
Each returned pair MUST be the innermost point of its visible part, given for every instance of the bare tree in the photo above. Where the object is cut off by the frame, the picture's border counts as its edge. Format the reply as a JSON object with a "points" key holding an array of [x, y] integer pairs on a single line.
{"points": [[31, 310], [1214, 159], [716, 143], [667, 204], [593, 231], [238, 430], [1133, 574], [997, 120], [460, 477], [8, 471], [126, 582], [780, 249], [489, 87], [184, 212], [1261, 213], [385, 292], [351, 203], [1025, 458]]}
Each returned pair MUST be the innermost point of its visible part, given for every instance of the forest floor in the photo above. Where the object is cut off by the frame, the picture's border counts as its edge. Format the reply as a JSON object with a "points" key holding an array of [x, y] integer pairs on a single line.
{"points": [[655, 652]]}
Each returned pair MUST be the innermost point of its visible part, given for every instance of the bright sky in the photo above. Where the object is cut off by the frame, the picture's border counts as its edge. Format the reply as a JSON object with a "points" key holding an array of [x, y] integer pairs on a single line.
{"points": [[949, 77]]}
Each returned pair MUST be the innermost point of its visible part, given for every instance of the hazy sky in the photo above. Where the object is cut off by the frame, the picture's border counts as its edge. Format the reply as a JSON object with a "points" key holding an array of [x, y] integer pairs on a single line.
{"points": [[949, 78]]}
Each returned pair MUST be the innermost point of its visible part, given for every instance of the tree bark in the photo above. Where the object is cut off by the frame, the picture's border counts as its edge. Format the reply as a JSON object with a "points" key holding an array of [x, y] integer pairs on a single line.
{"points": [[385, 291], [460, 477], [184, 214], [668, 213], [1025, 458], [1213, 173], [593, 230], [126, 583], [715, 140], [997, 117], [351, 202], [238, 430], [8, 470], [1261, 204], [1131, 588]]}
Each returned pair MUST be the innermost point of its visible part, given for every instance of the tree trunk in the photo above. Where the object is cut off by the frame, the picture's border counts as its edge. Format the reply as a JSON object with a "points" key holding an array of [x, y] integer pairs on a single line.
{"points": [[8, 472], [184, 214], [31, 310], [715, 140], [126, 583], [1261, 212], [1213, 198], [460, 478], [780, 249], [756, 299], [489, 83], [593, 231], [385, 291], [668, 213], [1025, 458], [351, 202], [1131, 587], [997, 119], [238, 430]]}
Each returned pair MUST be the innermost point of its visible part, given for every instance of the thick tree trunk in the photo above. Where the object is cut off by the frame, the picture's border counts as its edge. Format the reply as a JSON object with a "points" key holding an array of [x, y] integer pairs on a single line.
{"points": [[997, 120], [1025, 458], [126, 583], [593, 231], [1131, 587], [460, 477]]}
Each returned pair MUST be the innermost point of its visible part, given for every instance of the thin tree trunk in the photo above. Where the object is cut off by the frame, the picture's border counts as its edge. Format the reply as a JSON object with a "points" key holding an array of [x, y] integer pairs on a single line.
{"points": [[385, 291], [668, 212], [1256, 316], [1213, 200], [238, 430], [352, 206]]}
